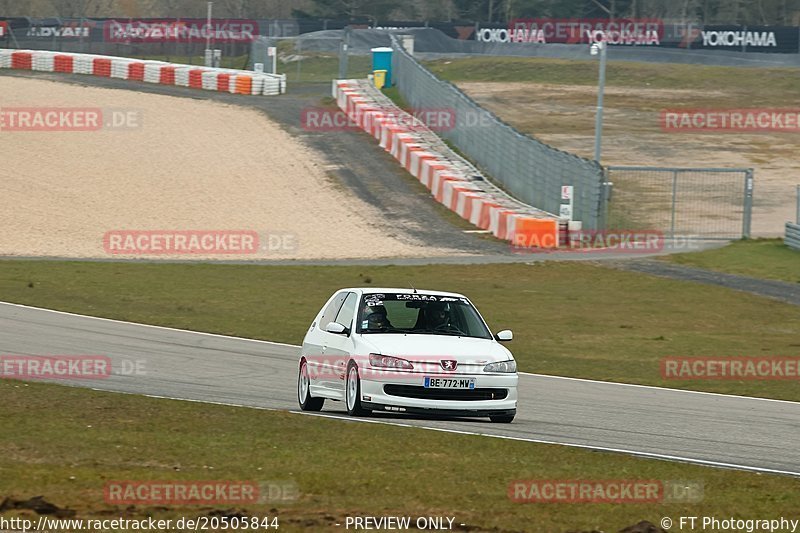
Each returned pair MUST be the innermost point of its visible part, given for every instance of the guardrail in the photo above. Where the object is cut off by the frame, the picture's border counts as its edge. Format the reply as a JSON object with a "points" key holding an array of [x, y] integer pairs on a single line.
{"points": [[792, 238], [211, 79]]}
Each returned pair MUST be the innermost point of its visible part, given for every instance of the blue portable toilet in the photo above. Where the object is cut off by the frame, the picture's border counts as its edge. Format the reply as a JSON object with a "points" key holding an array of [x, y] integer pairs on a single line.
{"points": [[382, 60]]}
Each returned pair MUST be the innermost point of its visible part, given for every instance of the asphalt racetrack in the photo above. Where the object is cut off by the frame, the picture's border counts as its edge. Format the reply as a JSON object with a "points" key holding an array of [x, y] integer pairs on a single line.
{"points": [[745, 433]]}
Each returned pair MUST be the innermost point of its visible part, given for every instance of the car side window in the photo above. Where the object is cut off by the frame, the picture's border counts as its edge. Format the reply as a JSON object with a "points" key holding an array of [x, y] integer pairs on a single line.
{"points": [[345, 315], [329, 314]]}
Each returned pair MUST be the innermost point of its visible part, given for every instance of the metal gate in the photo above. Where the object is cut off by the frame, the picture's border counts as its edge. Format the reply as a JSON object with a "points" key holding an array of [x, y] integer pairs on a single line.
{"points": [[706, 203]]}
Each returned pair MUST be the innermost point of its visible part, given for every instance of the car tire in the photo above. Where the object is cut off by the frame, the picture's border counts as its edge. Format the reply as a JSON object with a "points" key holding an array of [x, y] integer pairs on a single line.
{"points": [[307, 402], [502, 419], [352, 392]]}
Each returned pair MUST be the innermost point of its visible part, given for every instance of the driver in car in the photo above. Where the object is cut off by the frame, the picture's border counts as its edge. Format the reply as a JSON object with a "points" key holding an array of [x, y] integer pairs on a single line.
{"points": [[376, 317], [437, 315]]}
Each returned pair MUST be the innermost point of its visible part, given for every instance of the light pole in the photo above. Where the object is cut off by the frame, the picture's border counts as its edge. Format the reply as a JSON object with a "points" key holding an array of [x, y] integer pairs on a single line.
{"points": [[599, 48], [343, 53], [209, 53], [82, 23]]}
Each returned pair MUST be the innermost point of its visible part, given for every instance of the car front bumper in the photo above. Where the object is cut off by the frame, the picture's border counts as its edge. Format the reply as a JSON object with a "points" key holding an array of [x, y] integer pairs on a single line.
{"points": [[374, 395]]}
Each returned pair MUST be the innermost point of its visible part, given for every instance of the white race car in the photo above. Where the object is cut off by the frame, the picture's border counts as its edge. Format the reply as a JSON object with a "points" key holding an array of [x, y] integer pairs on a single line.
{"points": [[406, 351]]}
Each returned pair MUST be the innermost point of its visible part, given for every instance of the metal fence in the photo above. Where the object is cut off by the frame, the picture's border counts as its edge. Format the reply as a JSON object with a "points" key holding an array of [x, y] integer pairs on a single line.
{"points": [[529, 170], [792, 238], [161, 49], [708, 203]]}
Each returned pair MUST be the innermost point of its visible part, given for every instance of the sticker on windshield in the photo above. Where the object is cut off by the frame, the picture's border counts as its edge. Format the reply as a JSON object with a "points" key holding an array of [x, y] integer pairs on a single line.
{"points": [[364, 324], [374, 297], [419, 297]]}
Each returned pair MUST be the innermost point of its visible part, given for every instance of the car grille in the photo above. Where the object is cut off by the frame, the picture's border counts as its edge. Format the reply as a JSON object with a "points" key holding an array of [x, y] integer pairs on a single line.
{"points": [[412, 391]]}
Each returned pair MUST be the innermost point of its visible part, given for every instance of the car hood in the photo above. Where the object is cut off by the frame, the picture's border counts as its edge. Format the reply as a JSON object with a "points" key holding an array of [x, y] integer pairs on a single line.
{"points": [[435, 347]]}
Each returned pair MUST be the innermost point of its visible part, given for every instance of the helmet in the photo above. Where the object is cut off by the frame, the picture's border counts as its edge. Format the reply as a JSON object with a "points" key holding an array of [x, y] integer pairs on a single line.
{"points": [[375, 310], [376, 317], [437, 313]]}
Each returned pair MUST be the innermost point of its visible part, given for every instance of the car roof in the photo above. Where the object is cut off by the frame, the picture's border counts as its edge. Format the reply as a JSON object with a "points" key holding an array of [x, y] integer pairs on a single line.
{"points": [[363, 290]]}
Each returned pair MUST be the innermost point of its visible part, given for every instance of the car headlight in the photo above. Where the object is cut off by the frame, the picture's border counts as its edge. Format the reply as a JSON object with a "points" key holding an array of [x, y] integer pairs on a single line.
{"points": [[506, 367], [387, 361]]}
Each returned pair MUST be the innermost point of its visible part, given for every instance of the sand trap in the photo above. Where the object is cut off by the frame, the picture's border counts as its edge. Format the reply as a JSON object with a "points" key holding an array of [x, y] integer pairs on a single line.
{"points": [[192, 165]]}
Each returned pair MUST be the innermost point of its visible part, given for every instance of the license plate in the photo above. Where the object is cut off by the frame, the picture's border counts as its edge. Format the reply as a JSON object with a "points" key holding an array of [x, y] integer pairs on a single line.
{"points": [[449, 383]]}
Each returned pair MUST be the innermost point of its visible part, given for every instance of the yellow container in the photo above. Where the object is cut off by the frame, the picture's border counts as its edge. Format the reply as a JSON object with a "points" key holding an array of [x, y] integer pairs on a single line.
{"points": [[379, 76]]}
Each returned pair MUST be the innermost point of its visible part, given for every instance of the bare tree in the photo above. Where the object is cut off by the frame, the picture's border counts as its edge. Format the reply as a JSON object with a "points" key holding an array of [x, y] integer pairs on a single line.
{"points": [[767, 12], [68, 8], [689, 10]]}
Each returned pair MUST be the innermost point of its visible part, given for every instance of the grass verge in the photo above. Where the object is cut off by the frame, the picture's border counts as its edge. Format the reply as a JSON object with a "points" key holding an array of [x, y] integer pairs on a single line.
{"points": [[757, 85], [760, 258], [68, 454], [570, 319]]}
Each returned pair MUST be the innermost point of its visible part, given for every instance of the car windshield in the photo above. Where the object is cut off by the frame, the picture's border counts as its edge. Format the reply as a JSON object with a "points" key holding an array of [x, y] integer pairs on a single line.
{"points": [[425, 314]]}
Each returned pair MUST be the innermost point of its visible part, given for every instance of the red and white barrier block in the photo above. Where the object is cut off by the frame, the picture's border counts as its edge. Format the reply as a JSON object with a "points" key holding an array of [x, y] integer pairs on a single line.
{"points": [[451, 180], [211, 79]]}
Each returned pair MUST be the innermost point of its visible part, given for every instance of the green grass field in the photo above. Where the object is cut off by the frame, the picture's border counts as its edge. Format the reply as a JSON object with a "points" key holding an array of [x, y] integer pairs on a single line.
{"points": [[68, 453], [760, 258], [569, 319], [757, 86]]}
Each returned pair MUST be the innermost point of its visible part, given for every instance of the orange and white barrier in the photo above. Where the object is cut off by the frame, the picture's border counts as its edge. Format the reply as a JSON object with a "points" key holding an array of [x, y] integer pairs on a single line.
{"points": [[452, 181], [210, 79]]}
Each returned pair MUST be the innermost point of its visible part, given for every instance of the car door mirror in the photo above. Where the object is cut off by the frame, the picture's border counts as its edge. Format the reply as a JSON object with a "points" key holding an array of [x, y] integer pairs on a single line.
{"points": [[505, 335], [336, 328]]}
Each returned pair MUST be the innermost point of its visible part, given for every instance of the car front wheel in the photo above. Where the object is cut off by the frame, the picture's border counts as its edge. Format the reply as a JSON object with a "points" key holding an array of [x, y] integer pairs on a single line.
{"points": [[307, 403], [353, 392]]}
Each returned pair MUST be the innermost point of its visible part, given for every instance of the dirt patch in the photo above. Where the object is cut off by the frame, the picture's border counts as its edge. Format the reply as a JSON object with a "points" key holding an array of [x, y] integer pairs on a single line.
{"points": [[642, 527], [192, 165], [563, 116], [38, 505]]}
